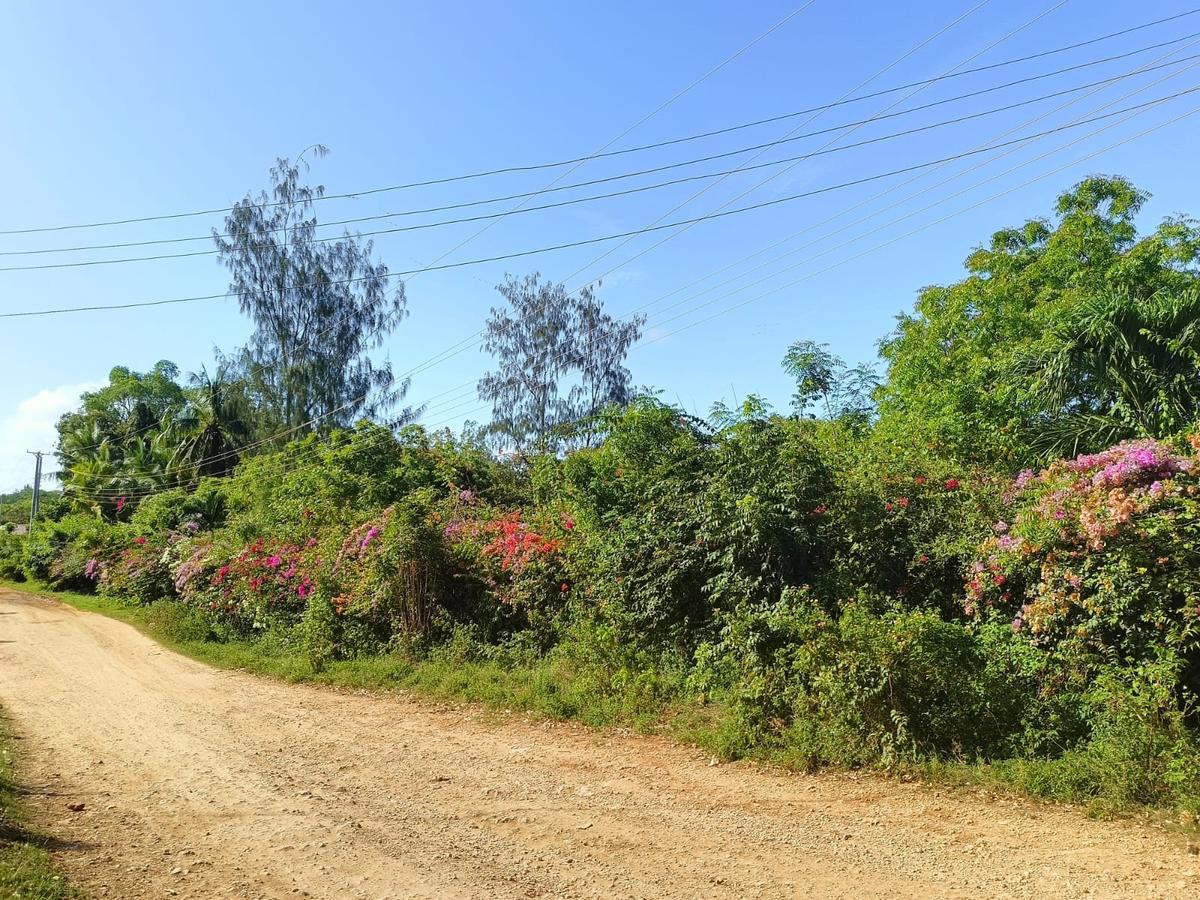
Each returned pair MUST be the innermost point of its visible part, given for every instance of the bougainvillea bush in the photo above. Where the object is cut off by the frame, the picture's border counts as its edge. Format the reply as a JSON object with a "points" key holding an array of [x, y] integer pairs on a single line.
{"points": [[1098, 557], [139, 571]]}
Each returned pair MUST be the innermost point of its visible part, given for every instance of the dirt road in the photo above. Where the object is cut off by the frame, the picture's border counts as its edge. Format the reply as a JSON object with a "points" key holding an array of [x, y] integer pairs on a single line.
{"points": [[204, 783]]}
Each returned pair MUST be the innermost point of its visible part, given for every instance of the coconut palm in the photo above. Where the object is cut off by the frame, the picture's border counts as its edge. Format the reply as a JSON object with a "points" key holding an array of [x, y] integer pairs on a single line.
{"points": [[212, 427]]}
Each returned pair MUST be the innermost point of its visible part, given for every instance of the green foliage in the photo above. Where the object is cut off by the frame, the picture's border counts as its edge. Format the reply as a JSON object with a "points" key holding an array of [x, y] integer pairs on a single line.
{"points": [[864, 687], [67, 554], [826, 588], [969, 368], [12, 557], [826, 383]]}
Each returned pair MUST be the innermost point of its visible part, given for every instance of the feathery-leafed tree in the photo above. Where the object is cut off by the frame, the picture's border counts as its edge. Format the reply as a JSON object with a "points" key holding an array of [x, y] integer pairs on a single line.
{"points": [[959, 375], [824, 381], [319, 305], [561, 359]]}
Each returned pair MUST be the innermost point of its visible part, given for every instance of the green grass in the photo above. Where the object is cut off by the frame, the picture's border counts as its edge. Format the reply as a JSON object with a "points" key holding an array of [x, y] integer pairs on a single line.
{"points": [[26, 870]]}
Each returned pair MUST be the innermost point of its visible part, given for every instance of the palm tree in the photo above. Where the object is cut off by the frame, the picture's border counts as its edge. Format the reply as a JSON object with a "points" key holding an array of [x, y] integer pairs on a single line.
{"points": [[212, 427], [91, 478], [1115, 367]]}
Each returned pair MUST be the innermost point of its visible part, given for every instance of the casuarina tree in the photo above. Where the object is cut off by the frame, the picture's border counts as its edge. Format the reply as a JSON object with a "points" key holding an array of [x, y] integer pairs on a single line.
{"points": [[561, 359], [320, 305]]}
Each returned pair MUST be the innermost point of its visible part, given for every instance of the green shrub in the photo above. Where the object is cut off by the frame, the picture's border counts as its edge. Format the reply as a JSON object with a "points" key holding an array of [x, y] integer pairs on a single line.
{"points": [[12, 556], [69, 554], [867, 686], [1141, 750]]}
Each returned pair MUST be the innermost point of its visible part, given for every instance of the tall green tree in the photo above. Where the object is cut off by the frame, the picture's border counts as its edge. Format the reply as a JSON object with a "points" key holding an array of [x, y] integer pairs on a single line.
{"points": [[959, 376], [826, 384], [560, 359], [319, 305], [113, 445]]}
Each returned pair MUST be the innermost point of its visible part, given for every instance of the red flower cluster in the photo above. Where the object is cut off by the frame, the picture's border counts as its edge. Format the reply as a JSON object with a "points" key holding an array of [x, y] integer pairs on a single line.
{"points": [[516, 544], [266, 572]]}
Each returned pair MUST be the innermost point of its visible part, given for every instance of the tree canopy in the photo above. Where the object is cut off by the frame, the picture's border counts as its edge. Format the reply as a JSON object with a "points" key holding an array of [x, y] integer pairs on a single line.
{"points": [[319, 306], [561, 359], [972, 368]]}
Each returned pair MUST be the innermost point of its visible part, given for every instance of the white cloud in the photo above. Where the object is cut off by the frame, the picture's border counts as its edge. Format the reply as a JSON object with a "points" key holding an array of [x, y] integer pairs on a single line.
{"points": [[31, 427]]}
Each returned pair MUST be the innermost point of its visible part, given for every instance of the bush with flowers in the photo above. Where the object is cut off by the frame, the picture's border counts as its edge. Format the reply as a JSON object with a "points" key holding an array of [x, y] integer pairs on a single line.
{"points": [[390, 572], [140, 571], [263, 585], [1099, 555], [903, 521], [511, 567]]}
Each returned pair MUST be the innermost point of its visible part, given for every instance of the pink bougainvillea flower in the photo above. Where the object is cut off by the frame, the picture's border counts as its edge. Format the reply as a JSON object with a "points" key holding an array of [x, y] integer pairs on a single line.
{"points": [[952, 484], [564, 587], [922, 559], [274, 562], [120, 503], [568, 523], [820, 509], [888, 506], [140, 541], [902, 503], [920, 479]]}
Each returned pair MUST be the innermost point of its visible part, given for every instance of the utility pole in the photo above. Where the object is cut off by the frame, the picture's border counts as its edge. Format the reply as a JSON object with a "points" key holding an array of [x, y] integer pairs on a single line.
{"points": [[37, 486]]}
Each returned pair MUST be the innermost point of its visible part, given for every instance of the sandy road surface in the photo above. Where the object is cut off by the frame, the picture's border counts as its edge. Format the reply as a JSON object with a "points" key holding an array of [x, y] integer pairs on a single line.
{"points": [[205, 783]]}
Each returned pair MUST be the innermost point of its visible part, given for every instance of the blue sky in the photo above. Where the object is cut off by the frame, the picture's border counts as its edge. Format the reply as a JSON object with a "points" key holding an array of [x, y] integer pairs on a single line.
{"points": [[144, 108]]}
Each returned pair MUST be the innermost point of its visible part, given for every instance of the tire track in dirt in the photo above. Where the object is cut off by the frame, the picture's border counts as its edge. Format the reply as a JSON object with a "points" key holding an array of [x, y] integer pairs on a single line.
{"points": [[199, 782]]}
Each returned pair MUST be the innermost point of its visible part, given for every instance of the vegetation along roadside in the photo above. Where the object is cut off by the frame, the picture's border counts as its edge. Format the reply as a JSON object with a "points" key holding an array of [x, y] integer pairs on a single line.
{"points": [[982, 562]]}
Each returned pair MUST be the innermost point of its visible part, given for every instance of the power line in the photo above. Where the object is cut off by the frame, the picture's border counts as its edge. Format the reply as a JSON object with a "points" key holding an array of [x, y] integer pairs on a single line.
{"points": [[608, 153], [724, 206], [676, 165], [99, 493], [904, 56], [578, 161], [676, 224], [670, 183]]}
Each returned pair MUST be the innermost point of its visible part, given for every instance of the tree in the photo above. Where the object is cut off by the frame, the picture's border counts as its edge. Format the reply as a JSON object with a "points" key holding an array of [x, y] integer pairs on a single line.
{"points": [[561, 360], [113, 445], [214, 425], [319, 307], [1115, 366], [824, 379], [958, 375]]}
